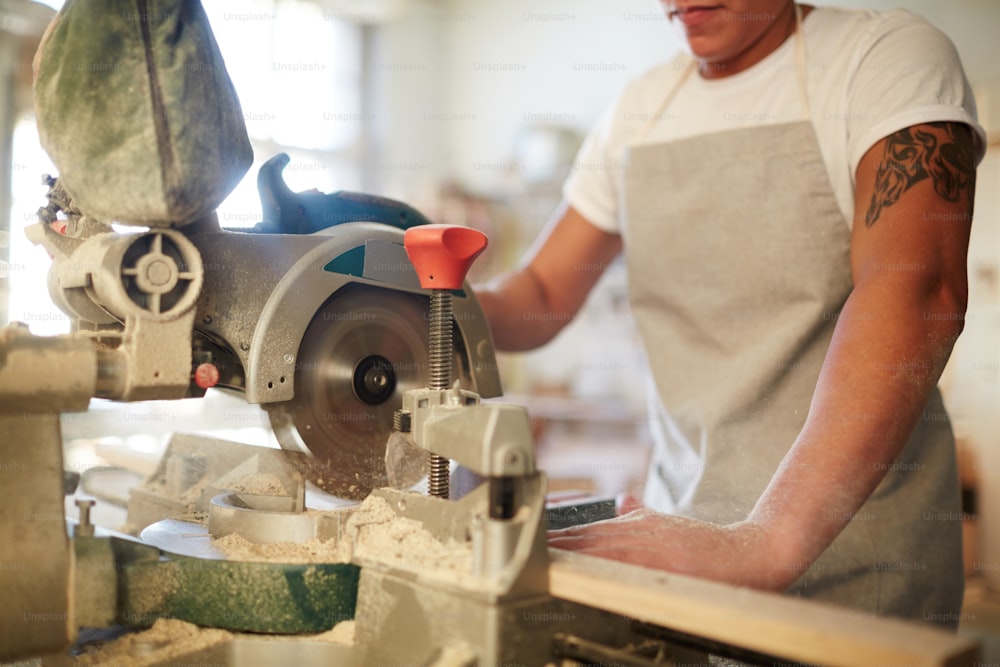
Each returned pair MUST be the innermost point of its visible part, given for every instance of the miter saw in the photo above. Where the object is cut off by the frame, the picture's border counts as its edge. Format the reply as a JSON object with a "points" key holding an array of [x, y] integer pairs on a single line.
{"points": [[325, 329], [316, 314], [347, 333]]}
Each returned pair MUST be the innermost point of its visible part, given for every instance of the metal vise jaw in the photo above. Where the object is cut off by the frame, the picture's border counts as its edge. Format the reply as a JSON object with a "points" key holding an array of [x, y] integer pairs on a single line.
{"points": [[494, 441], [486, 615], [476, 612]]}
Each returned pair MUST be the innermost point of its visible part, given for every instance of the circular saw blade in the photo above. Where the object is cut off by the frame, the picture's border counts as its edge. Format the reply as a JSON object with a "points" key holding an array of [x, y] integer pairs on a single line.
{"points": [[364, 348]]}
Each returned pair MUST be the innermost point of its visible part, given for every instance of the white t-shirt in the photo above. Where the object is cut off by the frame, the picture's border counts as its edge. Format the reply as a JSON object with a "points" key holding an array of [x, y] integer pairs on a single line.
{"points": [[869, 75]]}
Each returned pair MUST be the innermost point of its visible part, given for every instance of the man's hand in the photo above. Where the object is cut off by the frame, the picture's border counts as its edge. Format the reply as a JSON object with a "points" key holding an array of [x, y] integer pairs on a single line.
{"points": [[737, 554], [626, 502]]}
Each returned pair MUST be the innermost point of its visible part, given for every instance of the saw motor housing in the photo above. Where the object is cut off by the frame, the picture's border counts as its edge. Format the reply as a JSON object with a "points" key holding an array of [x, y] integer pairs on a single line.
{"points": [[269, 312]]}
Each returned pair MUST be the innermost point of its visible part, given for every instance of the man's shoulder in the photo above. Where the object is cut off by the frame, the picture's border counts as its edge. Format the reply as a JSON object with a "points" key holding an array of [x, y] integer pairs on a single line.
{"points": [[842, 32], [862, 20]]}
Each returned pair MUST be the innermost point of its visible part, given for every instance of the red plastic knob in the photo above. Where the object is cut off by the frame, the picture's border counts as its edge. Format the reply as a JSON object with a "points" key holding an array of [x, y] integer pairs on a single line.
{"points": [[206, 376], [442, 254]]}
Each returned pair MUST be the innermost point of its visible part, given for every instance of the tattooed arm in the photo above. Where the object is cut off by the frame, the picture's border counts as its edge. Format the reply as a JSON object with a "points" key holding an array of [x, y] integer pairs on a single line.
{"points": [[914, 193], [891, 342], [940, 151]]}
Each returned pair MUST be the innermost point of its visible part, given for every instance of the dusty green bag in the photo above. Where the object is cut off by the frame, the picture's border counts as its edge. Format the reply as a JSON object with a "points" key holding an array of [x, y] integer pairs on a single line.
{"points": [[137, 111]]}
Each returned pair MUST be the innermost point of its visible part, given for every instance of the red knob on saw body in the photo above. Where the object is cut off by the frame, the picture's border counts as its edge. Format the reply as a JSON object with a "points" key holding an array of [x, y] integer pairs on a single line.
{"points": [[442, 254], [206, 376]]}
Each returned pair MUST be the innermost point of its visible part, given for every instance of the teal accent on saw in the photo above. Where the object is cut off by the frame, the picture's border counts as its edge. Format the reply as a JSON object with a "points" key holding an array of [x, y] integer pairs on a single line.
{"points": [[350, 263]]}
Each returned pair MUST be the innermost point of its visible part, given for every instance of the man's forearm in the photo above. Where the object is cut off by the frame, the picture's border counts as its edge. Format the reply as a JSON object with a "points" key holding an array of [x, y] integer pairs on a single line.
{"points": [[518, 312], [888, 351], [879, 371], [527, 307]]}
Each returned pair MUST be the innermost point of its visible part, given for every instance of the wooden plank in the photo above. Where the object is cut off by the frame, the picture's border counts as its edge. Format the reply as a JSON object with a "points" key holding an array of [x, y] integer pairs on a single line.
{"points": [[786, 627]]}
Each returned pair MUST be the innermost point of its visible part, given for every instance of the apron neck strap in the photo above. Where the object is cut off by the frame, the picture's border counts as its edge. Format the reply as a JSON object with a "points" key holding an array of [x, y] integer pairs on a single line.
{"points": [[800, 61]]}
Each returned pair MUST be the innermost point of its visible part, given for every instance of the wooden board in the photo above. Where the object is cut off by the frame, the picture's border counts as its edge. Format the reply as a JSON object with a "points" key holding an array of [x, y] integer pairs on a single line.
{"points": [[786, 627]]}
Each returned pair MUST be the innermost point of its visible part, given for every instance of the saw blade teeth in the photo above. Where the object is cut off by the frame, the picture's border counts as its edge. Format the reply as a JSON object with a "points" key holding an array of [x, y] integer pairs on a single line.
{"points": [[339, 415]]}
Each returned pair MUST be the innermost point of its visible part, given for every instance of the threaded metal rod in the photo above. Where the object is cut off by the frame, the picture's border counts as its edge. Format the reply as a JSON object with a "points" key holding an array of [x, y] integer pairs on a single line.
{"points": [[440, 340], [439, 370], [437, 477]]}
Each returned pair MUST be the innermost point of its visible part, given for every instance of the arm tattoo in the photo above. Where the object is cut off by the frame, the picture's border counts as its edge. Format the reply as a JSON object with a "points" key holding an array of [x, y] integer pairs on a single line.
{"points": [[946, 156]]}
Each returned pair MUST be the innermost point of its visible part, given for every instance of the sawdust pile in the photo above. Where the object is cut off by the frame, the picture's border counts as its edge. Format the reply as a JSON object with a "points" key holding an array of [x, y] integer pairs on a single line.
{"points": [[373, 532], [237, 547], [170, 639], [264, 484], [165, 640], [377, 533], [342, 633]]}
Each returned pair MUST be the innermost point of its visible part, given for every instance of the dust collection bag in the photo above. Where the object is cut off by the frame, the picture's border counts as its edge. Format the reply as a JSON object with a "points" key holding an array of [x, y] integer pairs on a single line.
{"points": [[137, 111]]}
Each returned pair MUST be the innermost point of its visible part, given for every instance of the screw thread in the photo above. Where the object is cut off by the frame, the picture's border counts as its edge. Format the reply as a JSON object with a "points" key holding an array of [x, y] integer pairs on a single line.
{"points": [[440, 340], [437, 478]]}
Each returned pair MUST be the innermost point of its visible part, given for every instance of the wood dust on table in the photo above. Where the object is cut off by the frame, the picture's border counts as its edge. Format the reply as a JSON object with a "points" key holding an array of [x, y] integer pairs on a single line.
{"points": [[168, 638], [374, 532]]}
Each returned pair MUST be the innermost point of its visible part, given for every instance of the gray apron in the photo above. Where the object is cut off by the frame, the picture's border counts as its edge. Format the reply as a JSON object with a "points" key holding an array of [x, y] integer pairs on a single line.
{"points": [[738, 261]]}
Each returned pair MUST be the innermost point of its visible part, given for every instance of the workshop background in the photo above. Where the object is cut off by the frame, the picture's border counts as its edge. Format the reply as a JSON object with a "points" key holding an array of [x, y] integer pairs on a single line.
{"points": [[472, 111]]}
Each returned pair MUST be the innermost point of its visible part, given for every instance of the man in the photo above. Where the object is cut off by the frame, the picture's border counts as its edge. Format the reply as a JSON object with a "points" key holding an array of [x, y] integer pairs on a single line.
{"points": [[793, 198]]}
